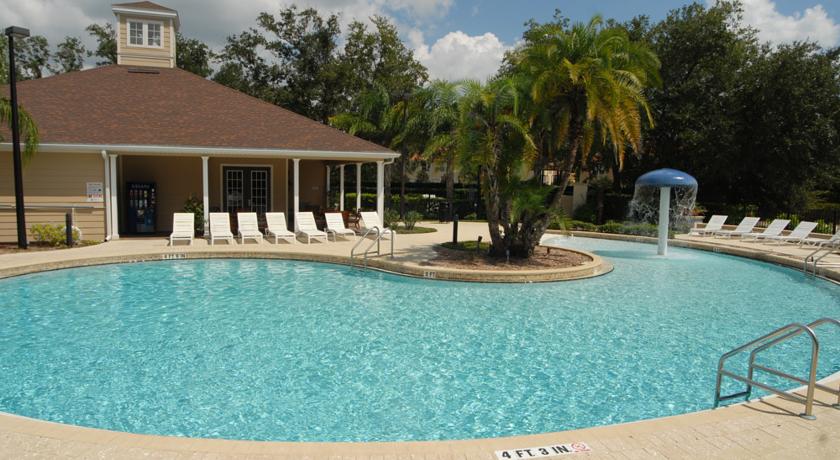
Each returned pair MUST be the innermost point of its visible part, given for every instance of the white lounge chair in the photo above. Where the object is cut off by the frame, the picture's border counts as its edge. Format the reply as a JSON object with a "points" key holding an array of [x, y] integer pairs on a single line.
{"points": [[797, 234], [820, 242], [335, 226], [371, 221], [183, 227], [774, 229], [220, 227], [714, 224], [746, 226], [277, 227], [248, 228], [305, 225]]}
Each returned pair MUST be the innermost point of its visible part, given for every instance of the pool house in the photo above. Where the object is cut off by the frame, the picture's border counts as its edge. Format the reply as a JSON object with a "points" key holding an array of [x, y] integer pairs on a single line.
{"points": [[125, 146]]}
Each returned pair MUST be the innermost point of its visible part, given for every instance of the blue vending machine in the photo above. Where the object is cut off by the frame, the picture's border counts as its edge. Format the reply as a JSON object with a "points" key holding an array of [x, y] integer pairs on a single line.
{"points": [[141, 207]]}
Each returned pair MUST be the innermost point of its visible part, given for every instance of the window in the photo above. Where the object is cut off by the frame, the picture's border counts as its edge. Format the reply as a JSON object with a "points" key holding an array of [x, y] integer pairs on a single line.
{"points": [[135, 33], [142, 33], [154, 34]]}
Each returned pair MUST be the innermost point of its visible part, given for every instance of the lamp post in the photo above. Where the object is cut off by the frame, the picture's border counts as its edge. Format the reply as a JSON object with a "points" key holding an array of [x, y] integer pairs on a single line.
{"points": [[13, 33]]}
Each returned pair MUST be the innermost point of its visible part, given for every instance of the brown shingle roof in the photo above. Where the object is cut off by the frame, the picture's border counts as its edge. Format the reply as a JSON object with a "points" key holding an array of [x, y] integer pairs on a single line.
{"points": [[120, 105], [145, 6]]}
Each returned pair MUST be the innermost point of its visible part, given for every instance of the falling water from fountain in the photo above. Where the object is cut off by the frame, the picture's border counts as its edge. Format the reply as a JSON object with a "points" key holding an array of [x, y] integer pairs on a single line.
{"points": [[665, 197]]}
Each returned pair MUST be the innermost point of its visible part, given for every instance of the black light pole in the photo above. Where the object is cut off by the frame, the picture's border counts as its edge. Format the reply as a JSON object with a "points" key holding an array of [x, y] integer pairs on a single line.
{"points": [[17, 32]]}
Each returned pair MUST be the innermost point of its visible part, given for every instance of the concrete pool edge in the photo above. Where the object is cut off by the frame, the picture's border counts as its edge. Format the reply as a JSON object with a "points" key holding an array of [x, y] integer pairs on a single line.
{"points": [[597, 266]]}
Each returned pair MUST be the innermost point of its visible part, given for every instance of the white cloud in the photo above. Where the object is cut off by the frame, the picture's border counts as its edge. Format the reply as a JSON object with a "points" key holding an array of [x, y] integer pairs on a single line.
{"points": [[457, 55], [814, 24], [208, 20]]}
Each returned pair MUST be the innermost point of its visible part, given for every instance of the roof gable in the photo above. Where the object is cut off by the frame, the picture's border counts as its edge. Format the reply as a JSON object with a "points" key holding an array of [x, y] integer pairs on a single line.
{"points": [[119, 105], [144, 6]]}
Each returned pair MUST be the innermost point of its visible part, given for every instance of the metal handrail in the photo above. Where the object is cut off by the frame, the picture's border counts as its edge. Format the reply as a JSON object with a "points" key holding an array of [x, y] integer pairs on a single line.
{"points": [[812, 325], [353, 250], [379, 235], [812, 257], [783, 333]]}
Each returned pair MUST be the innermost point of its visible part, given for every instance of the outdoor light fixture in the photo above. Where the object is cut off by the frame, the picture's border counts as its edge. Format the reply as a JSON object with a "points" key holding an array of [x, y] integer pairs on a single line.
{"points": [[13, 33]]}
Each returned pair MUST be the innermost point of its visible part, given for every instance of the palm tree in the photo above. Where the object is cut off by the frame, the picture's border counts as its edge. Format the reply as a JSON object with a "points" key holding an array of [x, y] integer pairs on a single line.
{"points": [[432, 124], [28, 129], [495, 140], [587, 83]]}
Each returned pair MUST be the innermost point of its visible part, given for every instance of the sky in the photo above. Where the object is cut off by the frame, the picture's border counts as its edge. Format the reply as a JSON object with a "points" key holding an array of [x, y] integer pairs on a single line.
{"points": [[454, 39]]}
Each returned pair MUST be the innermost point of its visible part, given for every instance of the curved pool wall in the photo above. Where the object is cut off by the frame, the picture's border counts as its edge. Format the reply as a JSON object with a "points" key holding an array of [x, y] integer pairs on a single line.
{"points": [[296, 351]]}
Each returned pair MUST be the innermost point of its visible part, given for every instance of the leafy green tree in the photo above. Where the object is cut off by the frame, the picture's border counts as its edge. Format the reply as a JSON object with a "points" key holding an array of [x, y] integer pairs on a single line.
{"points": [[193, 55], [586, 84], [33, 56], [379, 57], [494, 139], [69, 56], [106, 43], [788, 142]]}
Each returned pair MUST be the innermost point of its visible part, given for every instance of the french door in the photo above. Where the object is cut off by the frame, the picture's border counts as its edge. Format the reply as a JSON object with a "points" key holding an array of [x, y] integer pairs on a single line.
{"points": [[246, 189]]}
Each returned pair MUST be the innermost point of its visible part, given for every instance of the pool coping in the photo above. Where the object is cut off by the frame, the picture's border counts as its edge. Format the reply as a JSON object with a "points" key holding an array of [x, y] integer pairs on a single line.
{"points": [[596, 266]]}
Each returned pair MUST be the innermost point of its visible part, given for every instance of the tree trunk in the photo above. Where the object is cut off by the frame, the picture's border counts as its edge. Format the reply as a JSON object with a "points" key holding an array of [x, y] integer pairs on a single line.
{"points": [[532, 230], [387, 179]]}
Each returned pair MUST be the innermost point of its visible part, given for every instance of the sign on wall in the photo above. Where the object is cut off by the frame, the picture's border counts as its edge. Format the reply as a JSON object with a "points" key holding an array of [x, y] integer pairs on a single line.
{"points": [[94, 192]]}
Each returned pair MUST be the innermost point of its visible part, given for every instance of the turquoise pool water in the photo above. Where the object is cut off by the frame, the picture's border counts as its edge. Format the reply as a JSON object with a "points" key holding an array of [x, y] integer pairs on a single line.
{"points": [[281, 350]]}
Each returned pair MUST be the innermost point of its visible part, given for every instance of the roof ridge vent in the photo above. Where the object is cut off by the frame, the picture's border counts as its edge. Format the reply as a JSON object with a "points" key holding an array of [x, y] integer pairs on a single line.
{"points": [[143, 70]]}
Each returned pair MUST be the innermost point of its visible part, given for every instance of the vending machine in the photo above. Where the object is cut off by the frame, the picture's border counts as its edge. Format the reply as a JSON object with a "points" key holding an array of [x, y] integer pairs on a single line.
{"points": [[142, 199]]}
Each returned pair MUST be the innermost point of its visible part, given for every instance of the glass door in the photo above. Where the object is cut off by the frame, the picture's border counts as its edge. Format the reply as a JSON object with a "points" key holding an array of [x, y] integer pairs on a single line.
{"points": [[246, 189]]}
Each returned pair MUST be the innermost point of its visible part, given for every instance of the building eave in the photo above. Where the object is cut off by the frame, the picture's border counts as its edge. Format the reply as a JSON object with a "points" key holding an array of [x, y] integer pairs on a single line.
{"points": [[211, 151]]}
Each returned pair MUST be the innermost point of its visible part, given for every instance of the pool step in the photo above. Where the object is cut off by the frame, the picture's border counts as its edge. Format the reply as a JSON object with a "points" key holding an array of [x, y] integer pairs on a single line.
{"points": [[764, 342]]}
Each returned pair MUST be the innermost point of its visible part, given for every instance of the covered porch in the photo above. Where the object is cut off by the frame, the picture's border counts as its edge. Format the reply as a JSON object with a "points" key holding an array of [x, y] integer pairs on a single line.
{"points": [[143, 189]]}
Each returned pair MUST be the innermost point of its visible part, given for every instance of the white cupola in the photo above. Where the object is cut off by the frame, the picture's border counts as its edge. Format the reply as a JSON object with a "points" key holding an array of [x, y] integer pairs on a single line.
{"points": [[145, 34]]}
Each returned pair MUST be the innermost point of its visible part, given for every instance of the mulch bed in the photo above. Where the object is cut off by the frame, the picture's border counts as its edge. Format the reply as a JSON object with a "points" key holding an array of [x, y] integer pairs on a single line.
{"points": [[542, 260]]}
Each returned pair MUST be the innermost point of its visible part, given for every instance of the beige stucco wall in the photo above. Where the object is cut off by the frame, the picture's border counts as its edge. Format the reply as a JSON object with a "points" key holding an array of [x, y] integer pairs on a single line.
{"points": [[53, 179], [313, 178], [146, 56]]}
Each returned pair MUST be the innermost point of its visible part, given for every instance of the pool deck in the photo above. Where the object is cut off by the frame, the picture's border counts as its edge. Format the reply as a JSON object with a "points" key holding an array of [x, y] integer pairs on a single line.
{"points": [[767, 428]]}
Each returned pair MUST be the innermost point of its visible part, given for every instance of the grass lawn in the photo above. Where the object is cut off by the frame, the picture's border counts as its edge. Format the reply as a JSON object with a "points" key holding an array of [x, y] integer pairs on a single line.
{"points": [[401, 230]]}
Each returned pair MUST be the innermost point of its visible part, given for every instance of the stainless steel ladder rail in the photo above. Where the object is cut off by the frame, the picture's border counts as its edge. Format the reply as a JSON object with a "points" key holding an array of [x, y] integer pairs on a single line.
{"points": [[815, 257], [753, 366], [379, 235], [764, 342]]}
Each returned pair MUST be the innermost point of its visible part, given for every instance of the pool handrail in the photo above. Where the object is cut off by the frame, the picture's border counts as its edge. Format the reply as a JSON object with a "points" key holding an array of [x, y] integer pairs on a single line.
{"points": [[783, 333], [379, 235]]}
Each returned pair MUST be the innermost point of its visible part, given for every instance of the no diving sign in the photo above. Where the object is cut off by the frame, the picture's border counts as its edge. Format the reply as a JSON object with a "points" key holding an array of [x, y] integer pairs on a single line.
{"points": [[545, 451]]}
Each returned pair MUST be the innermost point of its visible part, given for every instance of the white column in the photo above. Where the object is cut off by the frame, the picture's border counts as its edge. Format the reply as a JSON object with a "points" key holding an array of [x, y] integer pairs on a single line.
{"points": [[296, 192], [341, 187], [115, 220], [380, 189], [106, 202], [328, 205], [358, 186], [205, 191], [664, 207]]}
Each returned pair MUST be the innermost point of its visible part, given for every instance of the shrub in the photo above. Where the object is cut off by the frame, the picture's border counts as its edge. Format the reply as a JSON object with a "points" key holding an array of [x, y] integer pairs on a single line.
{"points": [[471, 216], [391, 217], [52, 235], [582, 226], [611, 227], [411, 218], [195, 206]]}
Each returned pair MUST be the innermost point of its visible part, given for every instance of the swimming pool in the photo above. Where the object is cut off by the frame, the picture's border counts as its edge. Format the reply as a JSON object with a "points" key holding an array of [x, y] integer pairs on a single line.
{"points": [[298, 351]]}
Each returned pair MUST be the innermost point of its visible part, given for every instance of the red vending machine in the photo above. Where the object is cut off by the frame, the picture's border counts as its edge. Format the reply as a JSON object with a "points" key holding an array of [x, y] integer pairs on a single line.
{"points": [[141, 207]]}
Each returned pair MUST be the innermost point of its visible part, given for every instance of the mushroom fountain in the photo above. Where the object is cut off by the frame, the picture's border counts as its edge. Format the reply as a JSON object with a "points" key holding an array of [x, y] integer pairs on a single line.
{"points": [[667, 181]]}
